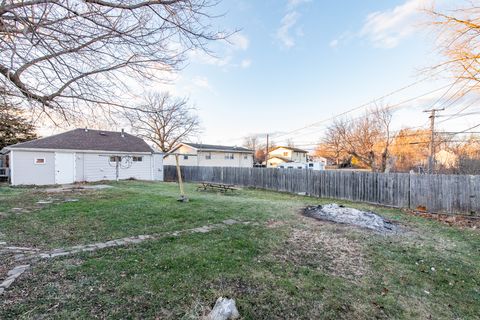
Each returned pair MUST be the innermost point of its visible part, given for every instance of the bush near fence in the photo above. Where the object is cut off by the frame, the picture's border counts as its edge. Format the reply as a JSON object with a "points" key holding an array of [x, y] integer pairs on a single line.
{"points": [[435, 193]]}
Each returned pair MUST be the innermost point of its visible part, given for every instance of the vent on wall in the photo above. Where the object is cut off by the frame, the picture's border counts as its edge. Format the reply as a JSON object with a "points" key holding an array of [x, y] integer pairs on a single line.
{"points": [[103, 134]]}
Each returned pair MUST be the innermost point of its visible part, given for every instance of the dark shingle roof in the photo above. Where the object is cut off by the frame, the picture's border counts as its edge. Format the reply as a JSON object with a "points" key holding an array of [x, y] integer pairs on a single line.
{"points": [[212, 147], [87, 139]]}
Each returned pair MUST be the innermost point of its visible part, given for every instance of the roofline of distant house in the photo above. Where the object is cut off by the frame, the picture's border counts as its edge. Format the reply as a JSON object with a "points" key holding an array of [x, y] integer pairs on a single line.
{"points": [[81, 150], [281, 158], [211, 150], [291, 148]]}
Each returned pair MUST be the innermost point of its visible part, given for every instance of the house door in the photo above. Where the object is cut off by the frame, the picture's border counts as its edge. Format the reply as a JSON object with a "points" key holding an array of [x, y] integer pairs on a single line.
{"points": [[64, 168]]}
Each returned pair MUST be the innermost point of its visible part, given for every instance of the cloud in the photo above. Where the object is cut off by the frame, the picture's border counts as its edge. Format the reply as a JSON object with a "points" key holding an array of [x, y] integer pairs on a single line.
{"points": [[246, 63], [224, 52], [283, 33], [201, 82], [239, 41], [292, 4], [289, 22], [385, 29]]}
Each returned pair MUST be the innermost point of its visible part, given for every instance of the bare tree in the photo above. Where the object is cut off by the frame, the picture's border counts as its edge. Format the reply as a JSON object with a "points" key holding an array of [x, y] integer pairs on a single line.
{"points": [[164, 120], [367, 138], [63, 56], [459, 40]]}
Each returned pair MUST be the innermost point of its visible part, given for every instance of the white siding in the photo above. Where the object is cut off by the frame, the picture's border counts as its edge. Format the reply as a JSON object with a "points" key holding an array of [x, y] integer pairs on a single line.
{"points": [[97, 167], [217, 158], [25, 172]]}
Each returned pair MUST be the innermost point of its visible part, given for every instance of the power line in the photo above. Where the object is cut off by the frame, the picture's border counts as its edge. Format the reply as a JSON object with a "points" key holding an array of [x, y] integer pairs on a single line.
{"points": [[366, 104]]}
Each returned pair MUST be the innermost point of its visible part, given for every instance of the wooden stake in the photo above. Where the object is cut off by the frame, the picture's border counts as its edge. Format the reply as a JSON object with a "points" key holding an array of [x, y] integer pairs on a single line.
{"points": [[182, 198]]}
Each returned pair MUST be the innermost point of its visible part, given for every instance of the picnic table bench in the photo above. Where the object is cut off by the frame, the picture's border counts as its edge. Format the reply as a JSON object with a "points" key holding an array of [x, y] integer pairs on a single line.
{"points": [[222, 187]]}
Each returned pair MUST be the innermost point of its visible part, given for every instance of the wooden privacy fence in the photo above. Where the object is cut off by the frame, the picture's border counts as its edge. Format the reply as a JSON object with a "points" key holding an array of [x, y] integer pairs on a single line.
{"points": [[436, 193]]}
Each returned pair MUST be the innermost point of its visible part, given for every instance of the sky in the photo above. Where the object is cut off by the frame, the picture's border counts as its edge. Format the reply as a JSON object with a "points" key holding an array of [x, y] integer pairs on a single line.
{"points": [[292, 63]]}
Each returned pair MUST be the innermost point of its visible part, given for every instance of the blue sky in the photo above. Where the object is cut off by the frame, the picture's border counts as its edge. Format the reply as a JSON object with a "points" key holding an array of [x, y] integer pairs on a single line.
{"points": [[295, 62]]}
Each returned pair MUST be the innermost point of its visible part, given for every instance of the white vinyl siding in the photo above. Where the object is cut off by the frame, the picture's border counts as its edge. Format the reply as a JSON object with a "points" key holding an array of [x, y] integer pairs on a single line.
{"points": [[25, 172], [98, 167]]}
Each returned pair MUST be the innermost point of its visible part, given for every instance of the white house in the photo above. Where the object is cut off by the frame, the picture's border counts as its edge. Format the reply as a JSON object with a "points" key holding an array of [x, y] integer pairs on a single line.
{"points": [[83, 155], [315, 166], [208, 155], [286, 154]]}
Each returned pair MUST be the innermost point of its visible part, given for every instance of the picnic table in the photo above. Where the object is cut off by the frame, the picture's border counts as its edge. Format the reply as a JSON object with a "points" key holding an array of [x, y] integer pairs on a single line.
{"points": [[222, 187]]}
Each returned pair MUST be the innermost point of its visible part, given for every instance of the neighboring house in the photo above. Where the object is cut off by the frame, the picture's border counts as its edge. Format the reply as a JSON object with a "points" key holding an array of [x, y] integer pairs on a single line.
{"points": [[286, 154], [315, 166], [83, 155], [208, 155]]}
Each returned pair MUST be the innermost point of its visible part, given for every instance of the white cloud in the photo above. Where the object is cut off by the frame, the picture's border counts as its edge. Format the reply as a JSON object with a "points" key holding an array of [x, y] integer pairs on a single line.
{"points": [[387, 28], [334, 43], [283, 33], [239, 41], [223, 53], [201, 82], [295, 3], [287, 31], [246, 63]]}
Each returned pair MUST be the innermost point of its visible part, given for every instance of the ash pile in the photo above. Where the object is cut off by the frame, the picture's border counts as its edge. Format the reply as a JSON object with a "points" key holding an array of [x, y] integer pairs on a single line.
{"points": [[341, 214]]}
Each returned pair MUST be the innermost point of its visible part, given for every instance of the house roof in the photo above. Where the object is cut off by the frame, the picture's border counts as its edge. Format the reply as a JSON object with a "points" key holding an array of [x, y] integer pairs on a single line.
{"points": [[212, 147], [281, 158], [290, 148], [87, 139]]}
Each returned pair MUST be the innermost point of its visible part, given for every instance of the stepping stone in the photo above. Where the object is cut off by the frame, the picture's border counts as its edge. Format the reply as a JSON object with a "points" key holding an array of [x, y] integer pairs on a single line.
{"points": [[44, 201], [230, 221], [70, 200]]}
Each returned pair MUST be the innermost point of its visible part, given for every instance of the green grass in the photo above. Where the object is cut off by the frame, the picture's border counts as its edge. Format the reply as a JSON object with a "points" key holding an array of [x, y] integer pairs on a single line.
{"points": [[284, 266]]}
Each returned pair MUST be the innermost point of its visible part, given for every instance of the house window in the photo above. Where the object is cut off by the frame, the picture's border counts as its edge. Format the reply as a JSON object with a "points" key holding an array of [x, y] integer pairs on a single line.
{"points": [[229, 156], [115, 159], [245, 157], [285, 154], [39, 161], [137, 159], [208, 155], [310, 165], [185, 157]]}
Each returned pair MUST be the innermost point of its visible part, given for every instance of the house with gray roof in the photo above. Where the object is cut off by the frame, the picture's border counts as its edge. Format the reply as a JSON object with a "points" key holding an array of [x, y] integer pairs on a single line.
{"points": [[83, 155], [209, 155]]}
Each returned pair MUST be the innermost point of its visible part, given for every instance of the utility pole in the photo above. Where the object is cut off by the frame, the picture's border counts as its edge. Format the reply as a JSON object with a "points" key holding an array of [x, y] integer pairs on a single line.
{"points": [[266, 154], [431, 159]]}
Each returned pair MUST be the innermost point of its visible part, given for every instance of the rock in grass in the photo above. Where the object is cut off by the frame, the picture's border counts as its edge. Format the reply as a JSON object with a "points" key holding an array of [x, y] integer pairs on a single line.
{"points": [[224, 309]]}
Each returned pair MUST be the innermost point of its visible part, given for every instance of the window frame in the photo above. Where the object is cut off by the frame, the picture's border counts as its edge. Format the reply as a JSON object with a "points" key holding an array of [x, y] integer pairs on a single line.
{"points": [[208, 156], [39, 163], [137, 158]]}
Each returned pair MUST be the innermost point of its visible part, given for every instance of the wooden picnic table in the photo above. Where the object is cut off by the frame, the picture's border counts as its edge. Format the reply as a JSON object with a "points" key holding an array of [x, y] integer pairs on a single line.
{"points": [[222, 187]]}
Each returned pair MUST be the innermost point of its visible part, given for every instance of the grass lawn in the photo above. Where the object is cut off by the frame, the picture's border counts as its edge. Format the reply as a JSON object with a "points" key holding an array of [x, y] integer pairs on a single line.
{"points": [[280, 266]]}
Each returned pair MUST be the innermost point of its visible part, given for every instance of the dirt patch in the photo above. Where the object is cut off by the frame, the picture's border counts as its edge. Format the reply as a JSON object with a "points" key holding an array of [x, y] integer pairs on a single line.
{"points": [[345, 215], [451, 220], [326, 248]]}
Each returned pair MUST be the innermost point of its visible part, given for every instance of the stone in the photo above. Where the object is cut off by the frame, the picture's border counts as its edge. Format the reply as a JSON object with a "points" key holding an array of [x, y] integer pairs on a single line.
{"points": [[59, 254], [7, 282], [18, 270], [229, 221], [224, 309], [70, 200], [17, 209], [44, 201], [2, 290]]}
